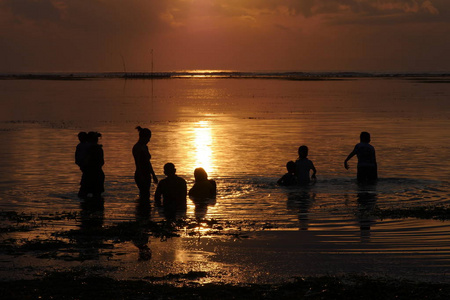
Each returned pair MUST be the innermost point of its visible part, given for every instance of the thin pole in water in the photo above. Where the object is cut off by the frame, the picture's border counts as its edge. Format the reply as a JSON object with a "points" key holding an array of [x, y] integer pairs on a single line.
{"points": [[123, 63]]}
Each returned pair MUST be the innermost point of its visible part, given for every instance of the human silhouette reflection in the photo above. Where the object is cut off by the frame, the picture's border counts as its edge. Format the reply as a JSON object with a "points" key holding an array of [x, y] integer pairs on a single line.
{"points": [[89, 238], [89, 157], [301, 201], [366, 204], [144, 169], [173, 192], [141, 236]]}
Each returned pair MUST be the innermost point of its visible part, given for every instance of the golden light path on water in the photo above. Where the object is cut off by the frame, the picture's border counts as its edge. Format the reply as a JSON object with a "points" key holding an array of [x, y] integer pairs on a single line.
{"points": [[203, 146]]}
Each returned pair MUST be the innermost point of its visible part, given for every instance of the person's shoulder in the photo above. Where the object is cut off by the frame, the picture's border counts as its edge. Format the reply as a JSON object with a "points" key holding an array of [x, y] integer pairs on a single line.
{"points": [[180, 179], [162, 181], [138, 146], [364, 145], [95, 147]]}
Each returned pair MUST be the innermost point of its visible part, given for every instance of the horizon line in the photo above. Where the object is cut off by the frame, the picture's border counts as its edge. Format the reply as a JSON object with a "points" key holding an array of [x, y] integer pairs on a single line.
{"points": [[293, 75]]}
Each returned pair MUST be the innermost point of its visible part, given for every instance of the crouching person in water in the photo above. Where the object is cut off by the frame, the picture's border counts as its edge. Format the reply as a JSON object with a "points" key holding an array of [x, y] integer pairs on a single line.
{"points": [[173, 191], [203, 187], [289, 178], [367, 162], [303, 166], [203, 193]]}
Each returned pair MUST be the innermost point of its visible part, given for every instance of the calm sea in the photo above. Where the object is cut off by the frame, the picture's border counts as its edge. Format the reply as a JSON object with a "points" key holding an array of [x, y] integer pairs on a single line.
{"points": [[242, 132]]}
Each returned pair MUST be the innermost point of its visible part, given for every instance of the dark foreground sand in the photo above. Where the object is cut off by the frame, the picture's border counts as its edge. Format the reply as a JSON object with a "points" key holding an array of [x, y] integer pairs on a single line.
{"points": [[70, 286], [127, 261]]}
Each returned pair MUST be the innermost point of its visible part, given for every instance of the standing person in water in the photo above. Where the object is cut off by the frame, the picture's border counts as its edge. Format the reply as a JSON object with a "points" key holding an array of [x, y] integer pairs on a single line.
{"points": [[303, 166], [93, 179], [144, 169], [367, 163]]}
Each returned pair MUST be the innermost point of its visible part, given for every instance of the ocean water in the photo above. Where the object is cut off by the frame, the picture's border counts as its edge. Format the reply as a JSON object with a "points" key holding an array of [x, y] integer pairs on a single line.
{"points": [[242, 131]]}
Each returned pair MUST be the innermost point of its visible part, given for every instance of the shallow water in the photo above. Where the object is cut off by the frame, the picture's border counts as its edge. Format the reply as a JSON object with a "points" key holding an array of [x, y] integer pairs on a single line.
{"points": [[243, 131]]}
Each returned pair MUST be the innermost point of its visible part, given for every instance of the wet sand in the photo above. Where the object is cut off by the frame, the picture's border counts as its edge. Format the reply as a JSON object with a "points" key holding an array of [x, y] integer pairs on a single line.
{"points": [[259, 264], [230, 255]]}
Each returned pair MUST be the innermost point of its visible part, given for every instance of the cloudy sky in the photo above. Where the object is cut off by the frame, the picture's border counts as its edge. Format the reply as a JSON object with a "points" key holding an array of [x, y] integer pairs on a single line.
{"points": [[247, 35]]}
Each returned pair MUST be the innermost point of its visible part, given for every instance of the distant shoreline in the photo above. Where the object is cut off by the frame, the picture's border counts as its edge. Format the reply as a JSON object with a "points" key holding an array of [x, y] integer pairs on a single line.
{"points": [[306, 76]]}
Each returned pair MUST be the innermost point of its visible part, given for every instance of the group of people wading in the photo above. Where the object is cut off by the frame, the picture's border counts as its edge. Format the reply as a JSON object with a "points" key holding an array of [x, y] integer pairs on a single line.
{"points": [[298, 172], [171, 192]]}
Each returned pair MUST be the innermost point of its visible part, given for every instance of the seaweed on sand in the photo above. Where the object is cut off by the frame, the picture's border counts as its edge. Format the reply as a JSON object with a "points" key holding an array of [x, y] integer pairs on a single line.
{"points": [[13, 216], [78, 244]]}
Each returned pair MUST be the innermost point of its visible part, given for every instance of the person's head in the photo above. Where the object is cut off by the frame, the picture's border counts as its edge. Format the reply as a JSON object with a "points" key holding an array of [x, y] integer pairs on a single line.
{"points": [[82, 136], [200, 174], [303, 151], [364, 137], [290, 166], [169, 169], [144, 134], [92, 137]]}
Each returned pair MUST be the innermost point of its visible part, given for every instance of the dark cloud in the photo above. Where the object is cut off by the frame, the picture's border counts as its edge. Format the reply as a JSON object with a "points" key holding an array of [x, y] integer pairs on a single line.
{"points": [[361, 7], [43, 10], [79, 35]]}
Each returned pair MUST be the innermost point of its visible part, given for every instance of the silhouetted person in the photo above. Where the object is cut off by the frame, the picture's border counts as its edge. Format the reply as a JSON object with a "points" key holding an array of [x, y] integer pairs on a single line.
{"points": [[203, 187], [93, 179], [367, 163], [173, 191], [289, 178], [303, 167], [203, 193], [82, 147], [80, 157], [144, 169]]}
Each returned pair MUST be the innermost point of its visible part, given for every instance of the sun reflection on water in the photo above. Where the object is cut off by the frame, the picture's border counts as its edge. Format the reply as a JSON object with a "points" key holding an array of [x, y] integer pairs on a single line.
{"points": [[203, 146]]}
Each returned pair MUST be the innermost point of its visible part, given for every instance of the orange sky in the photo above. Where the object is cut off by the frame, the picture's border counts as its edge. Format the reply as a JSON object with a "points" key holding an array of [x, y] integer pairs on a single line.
{"points": [[245, 35]]}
